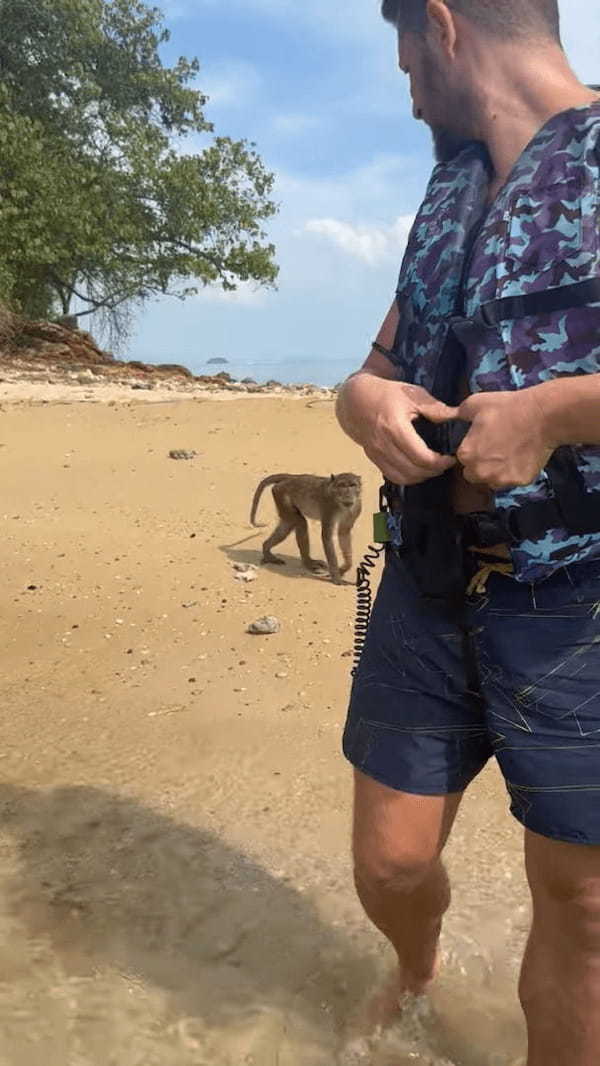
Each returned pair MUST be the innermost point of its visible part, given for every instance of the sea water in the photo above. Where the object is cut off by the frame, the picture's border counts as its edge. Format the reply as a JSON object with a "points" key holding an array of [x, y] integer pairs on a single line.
{"points": [[314, 371]]}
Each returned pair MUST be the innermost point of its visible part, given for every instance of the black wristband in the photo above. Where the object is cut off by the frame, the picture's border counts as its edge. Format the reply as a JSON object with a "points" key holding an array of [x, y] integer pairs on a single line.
{"points": [[379, 348]]}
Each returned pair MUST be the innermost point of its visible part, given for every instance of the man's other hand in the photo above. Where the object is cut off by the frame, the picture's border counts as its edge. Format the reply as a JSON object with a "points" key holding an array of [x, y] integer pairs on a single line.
{"points": [[508, 443]]}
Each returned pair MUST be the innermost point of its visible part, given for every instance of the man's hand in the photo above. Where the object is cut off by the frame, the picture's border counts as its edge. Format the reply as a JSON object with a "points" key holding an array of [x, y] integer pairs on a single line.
{"points": [[508, 444], [378, 414]]}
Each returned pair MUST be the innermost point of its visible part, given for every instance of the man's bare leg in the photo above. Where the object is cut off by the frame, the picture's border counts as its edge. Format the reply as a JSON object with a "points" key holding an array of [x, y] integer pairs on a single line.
{"points": [[560, 982], [401, 882]]}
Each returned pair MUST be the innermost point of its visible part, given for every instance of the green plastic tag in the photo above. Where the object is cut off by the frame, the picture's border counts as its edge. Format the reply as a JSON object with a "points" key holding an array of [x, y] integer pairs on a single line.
{"points": [[381, 533]]}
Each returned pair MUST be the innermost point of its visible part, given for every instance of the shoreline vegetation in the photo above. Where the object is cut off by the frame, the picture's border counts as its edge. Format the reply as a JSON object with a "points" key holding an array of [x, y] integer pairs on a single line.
{"points": [[51, 354]]}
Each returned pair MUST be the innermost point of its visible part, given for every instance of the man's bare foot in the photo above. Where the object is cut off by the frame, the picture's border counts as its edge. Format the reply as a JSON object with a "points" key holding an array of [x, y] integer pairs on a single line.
{"points": [[386, 1006], [380, 1012], [396, 993]]}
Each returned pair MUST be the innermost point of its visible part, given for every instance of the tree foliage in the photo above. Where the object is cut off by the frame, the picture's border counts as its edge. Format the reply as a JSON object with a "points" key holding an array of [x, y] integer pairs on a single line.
{"points": [[98, 200]]}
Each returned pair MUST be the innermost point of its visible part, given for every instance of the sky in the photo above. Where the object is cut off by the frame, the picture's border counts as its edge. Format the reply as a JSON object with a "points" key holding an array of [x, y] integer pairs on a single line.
{"points": [[316, 85]]}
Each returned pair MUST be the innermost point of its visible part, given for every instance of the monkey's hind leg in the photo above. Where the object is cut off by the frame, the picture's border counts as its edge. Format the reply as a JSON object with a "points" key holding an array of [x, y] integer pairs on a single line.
{"points": [[301, 527], [278, 535], [327, 530]]}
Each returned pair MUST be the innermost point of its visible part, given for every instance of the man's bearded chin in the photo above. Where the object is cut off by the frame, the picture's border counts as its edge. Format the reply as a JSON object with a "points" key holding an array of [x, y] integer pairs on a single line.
{"points": [[447, 144]]}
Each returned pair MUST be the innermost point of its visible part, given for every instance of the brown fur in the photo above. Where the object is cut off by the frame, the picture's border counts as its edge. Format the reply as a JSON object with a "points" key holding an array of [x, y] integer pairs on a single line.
{"points": [[334, 501]]}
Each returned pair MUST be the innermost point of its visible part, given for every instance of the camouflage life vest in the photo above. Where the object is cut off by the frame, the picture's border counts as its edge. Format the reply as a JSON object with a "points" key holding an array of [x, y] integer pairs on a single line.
{"points": [[518, 284]]}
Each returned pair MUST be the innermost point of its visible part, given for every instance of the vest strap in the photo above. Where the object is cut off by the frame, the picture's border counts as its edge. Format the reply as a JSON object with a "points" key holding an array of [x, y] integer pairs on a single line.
{"points": [[562, 298], [530, 522], [572, 508]]}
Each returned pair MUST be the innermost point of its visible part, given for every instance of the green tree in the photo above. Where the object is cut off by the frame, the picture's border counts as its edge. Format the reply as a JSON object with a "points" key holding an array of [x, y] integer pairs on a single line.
{"points": [[97, 199]]}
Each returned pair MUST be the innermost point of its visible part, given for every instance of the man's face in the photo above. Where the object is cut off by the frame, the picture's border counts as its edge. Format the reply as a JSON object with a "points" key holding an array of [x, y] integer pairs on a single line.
{"points": [[411, 63], [436, 101]]}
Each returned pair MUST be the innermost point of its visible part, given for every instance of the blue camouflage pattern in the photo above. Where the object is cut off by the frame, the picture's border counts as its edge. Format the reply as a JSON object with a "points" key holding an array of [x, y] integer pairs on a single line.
{"points": [[541, 232]]}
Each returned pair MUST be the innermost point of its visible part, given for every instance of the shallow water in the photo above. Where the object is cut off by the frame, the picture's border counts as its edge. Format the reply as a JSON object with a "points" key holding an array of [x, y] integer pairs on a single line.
{"points": [[128, 939]]}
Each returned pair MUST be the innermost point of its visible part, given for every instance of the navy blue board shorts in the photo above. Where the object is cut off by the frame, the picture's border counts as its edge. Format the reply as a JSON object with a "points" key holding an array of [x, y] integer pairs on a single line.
{"points": [[415, 725]]}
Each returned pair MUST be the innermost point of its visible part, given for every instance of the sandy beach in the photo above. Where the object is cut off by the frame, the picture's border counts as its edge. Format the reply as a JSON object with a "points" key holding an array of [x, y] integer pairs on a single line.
{"points": [[175, 886]]}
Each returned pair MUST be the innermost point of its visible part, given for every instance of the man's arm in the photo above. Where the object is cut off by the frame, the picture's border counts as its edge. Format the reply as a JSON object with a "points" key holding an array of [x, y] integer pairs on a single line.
{"points": [[377, 411], [571, 409], [353, 393]]}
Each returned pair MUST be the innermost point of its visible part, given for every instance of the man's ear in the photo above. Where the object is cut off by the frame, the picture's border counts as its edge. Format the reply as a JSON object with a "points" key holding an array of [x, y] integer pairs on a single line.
{"points": [[442, 26]]}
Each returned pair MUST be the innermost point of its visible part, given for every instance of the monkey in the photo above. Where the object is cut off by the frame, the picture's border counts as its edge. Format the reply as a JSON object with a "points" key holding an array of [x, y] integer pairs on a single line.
{"points": [[335, 501]]}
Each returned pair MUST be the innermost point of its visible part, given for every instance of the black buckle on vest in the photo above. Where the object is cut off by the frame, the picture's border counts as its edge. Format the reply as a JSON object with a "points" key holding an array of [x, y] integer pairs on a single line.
{"points": [[529, 522], [442, 437], [483, 529]]}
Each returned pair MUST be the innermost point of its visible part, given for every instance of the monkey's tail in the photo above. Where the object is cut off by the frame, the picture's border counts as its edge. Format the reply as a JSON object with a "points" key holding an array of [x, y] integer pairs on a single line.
{"points": [[272, 480], [364, 600]]}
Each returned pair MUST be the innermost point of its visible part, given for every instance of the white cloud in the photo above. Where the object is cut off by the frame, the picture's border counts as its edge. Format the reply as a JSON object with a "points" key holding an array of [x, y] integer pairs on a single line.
{"points": [[371, 244], [247, 295], [368, 244], [374, 193], [231, 85]]}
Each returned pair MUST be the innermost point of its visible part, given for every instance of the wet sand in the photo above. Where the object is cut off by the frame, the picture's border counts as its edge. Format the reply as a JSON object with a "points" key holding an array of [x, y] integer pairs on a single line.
{"points": [[175, 884]]}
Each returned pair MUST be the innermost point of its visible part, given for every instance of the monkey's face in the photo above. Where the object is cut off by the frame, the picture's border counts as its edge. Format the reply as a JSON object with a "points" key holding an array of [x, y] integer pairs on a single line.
{"points": [[346, 488]]}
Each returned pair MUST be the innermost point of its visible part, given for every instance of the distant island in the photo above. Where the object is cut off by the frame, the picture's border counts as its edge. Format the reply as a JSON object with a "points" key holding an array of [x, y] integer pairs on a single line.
{"points": [[217, 362]]}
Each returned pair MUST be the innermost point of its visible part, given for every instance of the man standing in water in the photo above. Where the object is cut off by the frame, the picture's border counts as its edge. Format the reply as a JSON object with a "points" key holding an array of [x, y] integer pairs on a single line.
{"points": [[485, 633]]}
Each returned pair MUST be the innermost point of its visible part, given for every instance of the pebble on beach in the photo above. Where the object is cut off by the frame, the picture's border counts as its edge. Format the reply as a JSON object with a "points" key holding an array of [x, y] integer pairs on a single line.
{"points": [[265, 626], [245, 571], [181, 453]]}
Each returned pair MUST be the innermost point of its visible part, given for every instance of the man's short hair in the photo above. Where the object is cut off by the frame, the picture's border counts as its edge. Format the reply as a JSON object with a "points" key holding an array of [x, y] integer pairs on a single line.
{"points": [[506, 18]]}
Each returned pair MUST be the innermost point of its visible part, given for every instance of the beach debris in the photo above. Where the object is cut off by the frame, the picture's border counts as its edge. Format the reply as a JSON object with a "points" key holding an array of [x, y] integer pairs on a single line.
{"points": [[176, 709], [86, 377], [265, 626], [182, 453], [245, 571], [282, 674], [147, 386], [192, 603]]}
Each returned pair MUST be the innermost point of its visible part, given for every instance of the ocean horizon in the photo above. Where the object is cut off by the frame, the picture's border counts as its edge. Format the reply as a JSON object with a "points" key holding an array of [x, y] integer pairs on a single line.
{"points": [[323, 372]]}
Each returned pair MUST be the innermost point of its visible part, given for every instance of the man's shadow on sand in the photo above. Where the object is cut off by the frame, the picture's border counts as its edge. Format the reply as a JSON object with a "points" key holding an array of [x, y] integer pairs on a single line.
{"points": [[114, 884]]}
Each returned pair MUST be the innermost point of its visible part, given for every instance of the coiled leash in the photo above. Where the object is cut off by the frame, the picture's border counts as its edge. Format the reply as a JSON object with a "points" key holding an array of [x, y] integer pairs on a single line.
{"points": [[444, 438], [364, 592]]}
